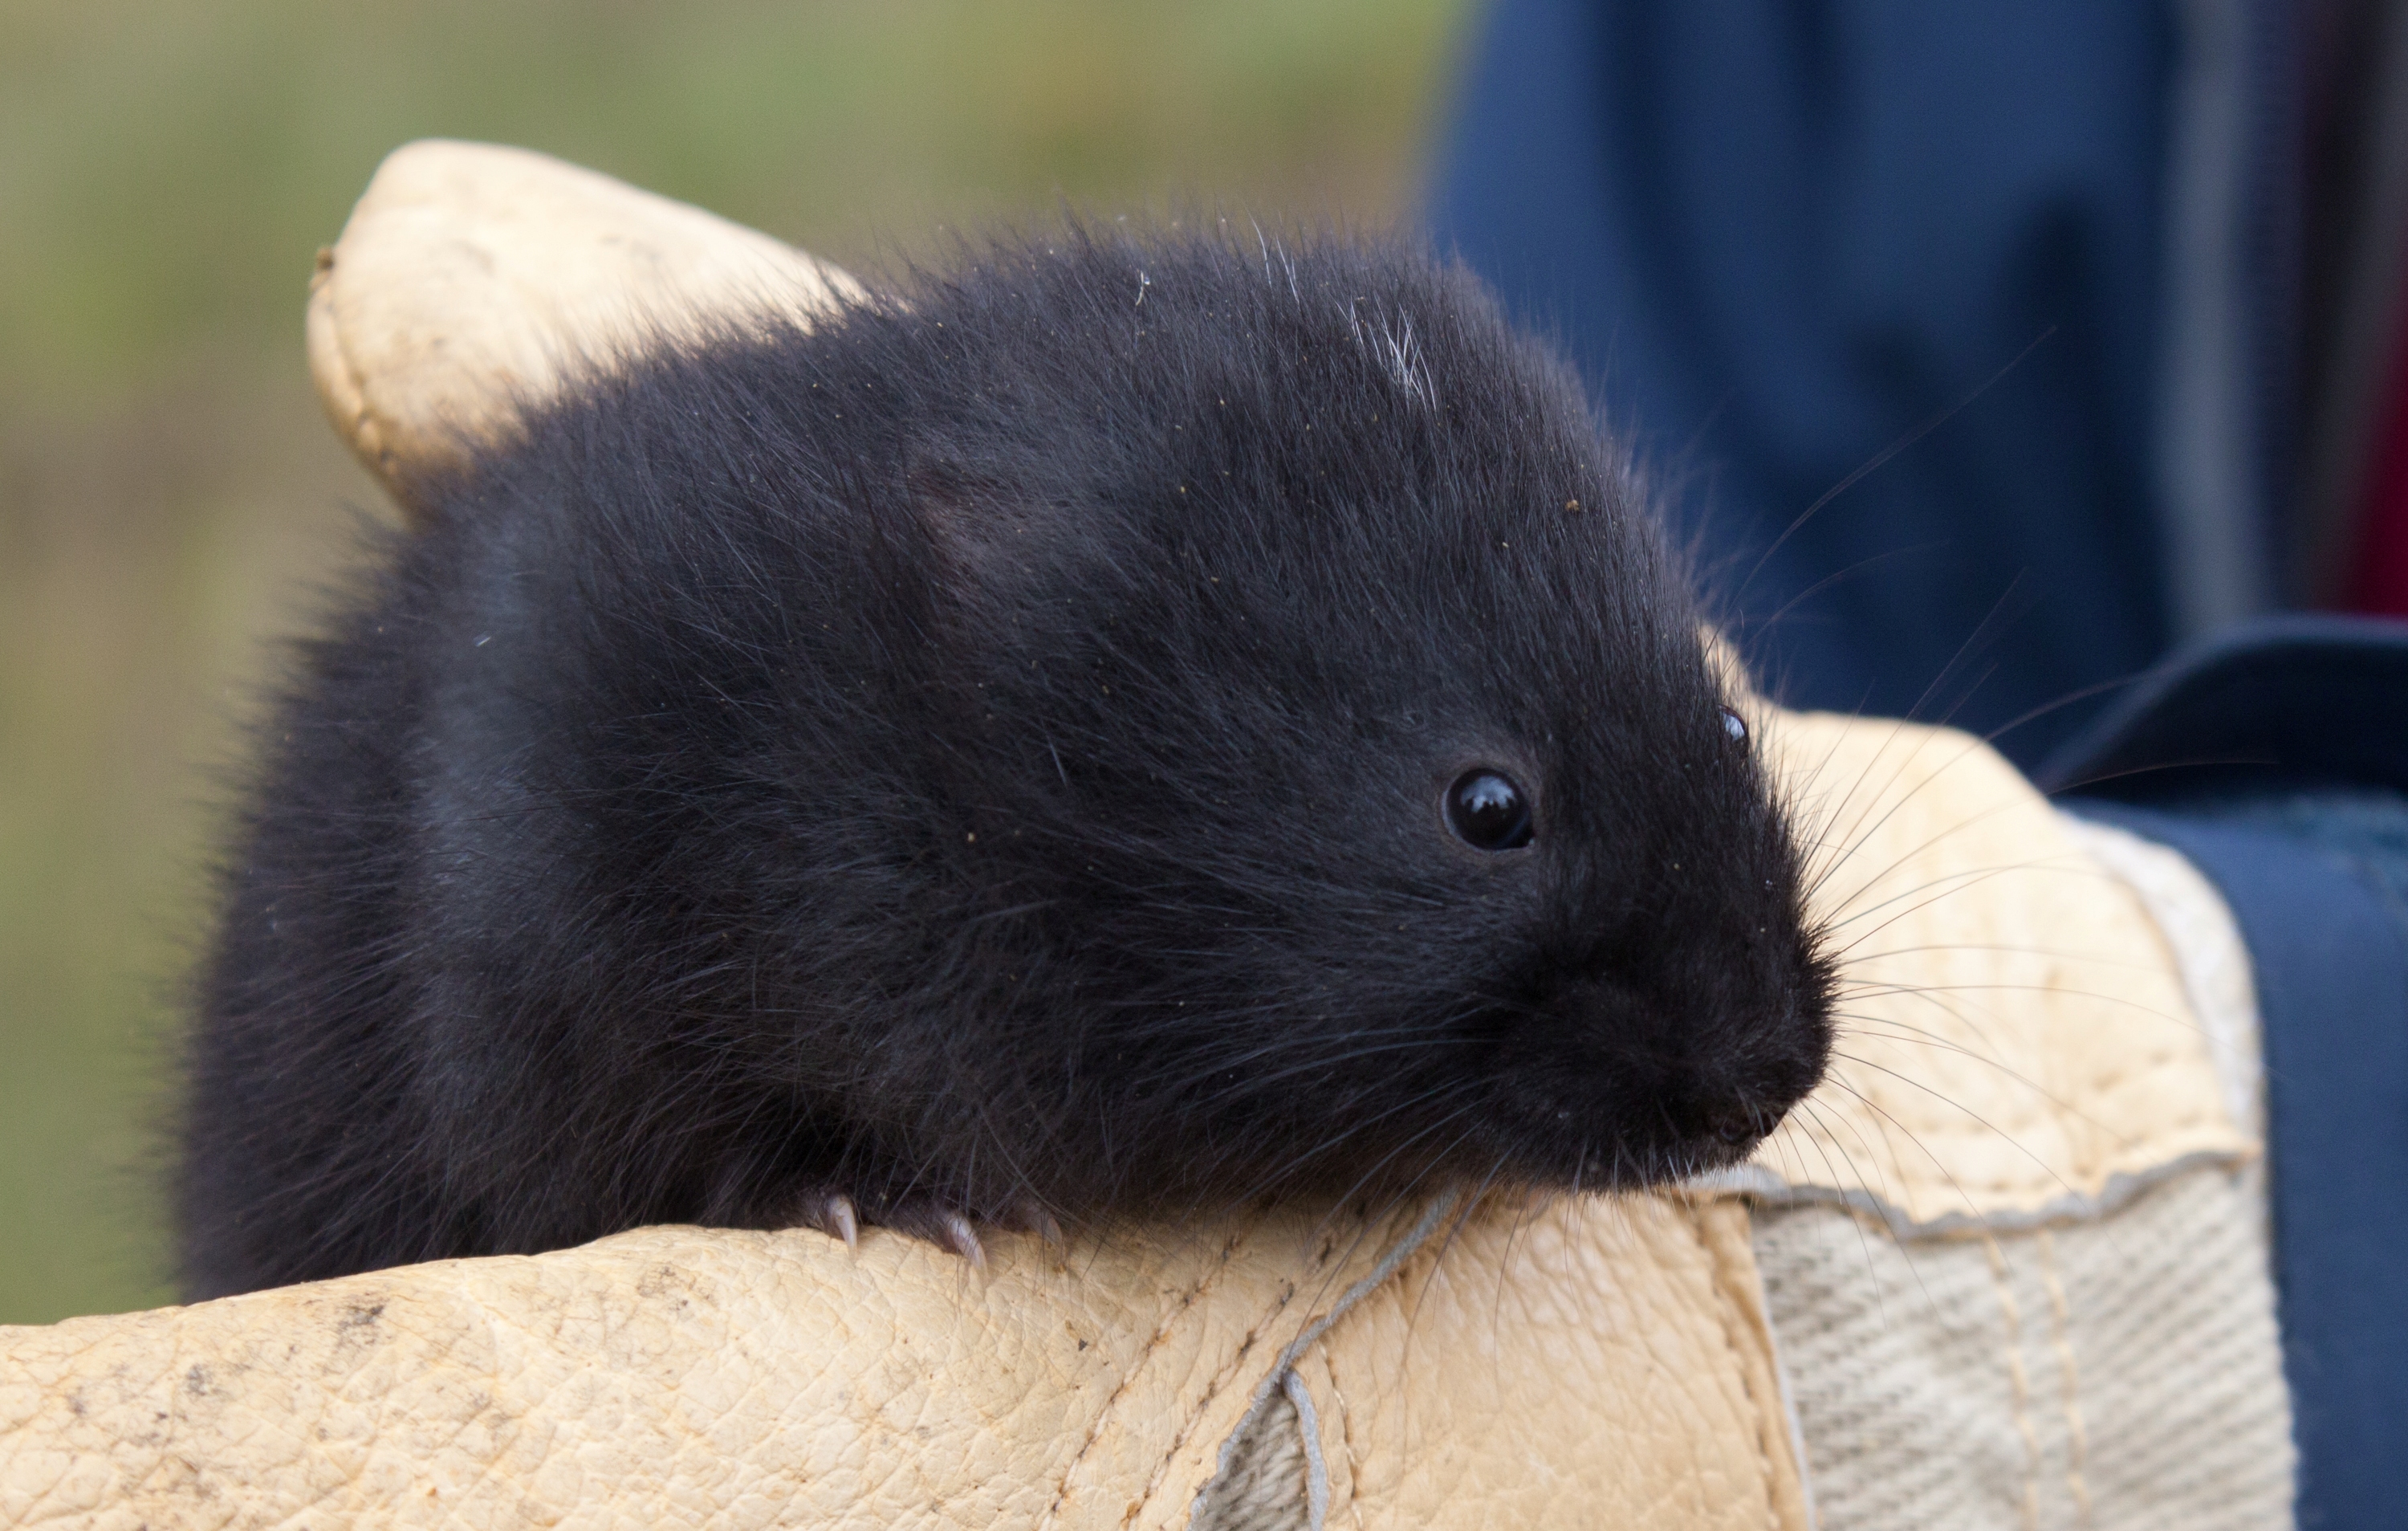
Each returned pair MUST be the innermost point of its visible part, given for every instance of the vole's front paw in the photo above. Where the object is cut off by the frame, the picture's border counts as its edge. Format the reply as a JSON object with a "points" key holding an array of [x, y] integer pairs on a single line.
{"points": [[938, 1222]]}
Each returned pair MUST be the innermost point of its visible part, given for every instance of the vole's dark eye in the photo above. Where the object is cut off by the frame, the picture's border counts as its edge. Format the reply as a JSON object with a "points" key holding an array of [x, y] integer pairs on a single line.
{"points": [[1734, 726], [1487, 811]]}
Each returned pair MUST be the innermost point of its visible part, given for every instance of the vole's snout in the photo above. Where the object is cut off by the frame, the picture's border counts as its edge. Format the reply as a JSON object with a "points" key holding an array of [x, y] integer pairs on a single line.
{"points": [[1740, 1104], [1740, 1124], [1723, 1121], [1611, 1075]]}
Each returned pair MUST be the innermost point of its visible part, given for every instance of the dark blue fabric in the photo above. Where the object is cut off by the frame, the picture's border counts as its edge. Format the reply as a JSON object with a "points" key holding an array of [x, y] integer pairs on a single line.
{"points": [[2329, 947], [1783, 238], [2281, 699]]}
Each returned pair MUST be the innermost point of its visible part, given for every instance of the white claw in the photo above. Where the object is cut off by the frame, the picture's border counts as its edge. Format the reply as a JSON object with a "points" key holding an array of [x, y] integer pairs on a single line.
{"points": [[963, 1240], [1040, 1222], [843, 1224]]}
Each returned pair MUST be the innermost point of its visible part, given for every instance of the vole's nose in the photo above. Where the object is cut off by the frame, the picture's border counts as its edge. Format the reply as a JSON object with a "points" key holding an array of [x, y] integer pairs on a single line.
{"points": [[1736, 1115], [1739, 1123]]}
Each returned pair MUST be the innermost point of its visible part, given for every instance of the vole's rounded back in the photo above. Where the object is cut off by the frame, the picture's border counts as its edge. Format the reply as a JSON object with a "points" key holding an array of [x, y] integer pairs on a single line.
{"points": [[1132, 722]]}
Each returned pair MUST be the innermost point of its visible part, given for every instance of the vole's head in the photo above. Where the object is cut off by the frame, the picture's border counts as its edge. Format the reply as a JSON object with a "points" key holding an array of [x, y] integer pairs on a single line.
{"points": [[1342, 785]]}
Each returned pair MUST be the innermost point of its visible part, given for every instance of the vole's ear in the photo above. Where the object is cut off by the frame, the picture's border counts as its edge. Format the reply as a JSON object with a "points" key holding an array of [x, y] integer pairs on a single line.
{"points": [[473, 282]]}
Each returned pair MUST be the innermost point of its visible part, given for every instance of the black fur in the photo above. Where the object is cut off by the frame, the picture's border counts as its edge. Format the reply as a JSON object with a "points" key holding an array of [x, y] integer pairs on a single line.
{"points": [[985, 754]]}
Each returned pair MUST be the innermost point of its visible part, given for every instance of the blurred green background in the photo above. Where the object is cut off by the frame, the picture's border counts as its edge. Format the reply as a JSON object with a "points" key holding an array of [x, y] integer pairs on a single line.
{"points": [[168, 488]]}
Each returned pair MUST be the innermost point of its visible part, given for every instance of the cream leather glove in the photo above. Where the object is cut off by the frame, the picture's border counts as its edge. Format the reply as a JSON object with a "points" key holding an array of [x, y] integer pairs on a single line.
{"points": [[2023, 1053]]}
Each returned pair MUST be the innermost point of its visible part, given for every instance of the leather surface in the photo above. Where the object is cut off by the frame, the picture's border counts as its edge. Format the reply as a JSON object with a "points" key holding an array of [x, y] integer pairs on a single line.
{"points": [[669, 1377], [1602, 1362], [2013, 1034], [1543, 1366], [472, 280]]}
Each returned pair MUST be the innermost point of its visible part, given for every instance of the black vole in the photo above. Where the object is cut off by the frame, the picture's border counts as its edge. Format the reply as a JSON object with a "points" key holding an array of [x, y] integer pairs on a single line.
{"points": [[1131, 724]]}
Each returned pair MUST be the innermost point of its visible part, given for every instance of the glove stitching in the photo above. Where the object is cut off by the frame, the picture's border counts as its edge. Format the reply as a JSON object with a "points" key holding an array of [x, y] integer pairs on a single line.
{"points": [[1345, 1438], [2019, 1380]]}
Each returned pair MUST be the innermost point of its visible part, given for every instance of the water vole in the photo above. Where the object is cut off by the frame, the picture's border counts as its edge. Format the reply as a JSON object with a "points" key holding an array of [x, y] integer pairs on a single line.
{"points": [[1132, 723]]}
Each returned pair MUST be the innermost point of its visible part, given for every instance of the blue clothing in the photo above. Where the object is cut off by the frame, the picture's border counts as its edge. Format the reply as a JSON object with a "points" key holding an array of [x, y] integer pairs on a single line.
{"points": [[1782, 240], [2281, 702]]}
